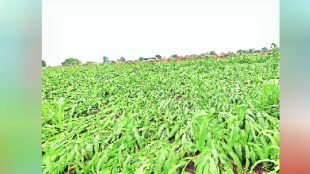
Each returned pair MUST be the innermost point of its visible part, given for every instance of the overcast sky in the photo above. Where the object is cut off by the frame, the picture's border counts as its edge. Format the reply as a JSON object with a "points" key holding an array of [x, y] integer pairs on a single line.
{"points": [[91, 29]]}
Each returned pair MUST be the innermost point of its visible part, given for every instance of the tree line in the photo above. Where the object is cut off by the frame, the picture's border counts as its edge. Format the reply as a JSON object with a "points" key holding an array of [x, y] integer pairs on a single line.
{"points": [[75, 61]]}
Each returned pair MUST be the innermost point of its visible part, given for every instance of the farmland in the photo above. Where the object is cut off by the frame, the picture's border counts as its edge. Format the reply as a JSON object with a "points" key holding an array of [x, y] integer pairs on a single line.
{"points": [[193, 116]]}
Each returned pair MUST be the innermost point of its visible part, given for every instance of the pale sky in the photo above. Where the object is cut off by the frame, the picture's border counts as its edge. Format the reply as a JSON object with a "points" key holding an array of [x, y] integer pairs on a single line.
{"points": [[91, 29]]}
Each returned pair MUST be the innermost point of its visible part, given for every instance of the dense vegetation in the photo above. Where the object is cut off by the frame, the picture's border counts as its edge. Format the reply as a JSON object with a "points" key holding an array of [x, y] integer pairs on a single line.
{"points": [[43, 63], [70, 62], [203, 116]]}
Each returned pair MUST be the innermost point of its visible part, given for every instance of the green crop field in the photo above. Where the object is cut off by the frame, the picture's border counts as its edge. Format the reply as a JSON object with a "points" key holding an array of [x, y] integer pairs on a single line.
{"points": [[193, 116]]}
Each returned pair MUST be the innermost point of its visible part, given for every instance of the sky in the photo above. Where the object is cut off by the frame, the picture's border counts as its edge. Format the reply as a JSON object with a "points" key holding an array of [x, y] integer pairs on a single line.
{"points": [[90, 29]]}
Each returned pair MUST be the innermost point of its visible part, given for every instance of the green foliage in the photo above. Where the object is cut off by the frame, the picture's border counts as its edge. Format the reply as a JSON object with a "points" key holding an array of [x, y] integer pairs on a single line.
{"points": [[90, 62], [158, 56], [257, 51], [122, 59], [274, 49], [70, 62], [174, 56], [105, 59], [43, 63], [221, 115], [245, 51], [230, 53], [264, 49], [212, 53], [140, 58]]}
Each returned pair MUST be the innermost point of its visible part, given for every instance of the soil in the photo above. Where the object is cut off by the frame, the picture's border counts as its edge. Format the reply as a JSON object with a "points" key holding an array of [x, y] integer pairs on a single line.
{"points": [[259, 169], [178, 97], [190, 167]]}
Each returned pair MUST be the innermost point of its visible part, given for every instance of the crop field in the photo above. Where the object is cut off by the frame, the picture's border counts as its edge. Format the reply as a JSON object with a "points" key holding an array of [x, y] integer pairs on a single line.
{"points": [[194, 116]]}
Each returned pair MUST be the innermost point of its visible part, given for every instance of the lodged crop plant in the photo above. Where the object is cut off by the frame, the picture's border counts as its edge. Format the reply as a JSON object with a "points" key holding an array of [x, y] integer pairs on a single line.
{"points": [[194, 116]]}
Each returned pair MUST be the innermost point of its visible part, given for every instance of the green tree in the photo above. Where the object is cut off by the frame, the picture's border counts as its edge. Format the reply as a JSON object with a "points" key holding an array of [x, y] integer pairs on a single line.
{"points": [[158, 56], [264, 49], [204, 54], [240, 51], [140, 58], [43, 63], [257, 51], [212, 53], [90, 62], [105, 59], [70, 62], [122, 59], [174, 56]]}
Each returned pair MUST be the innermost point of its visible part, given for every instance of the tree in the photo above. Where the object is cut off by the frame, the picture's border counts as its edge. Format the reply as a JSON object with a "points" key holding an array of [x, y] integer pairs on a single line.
{"points": [[43, 63], [245, 51], [257, 51], [105, 59], [204, 54], [70, 62], [264, 49], [174, 56], [251, 50], [122, 59], [212, 53], [90, 62], [240, 51], [140, 58], [158, 56]]}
